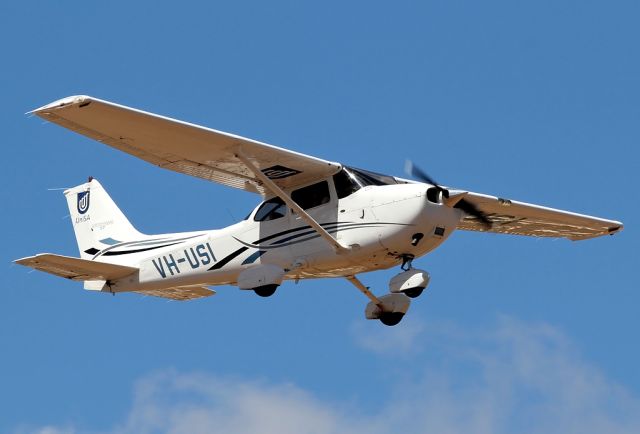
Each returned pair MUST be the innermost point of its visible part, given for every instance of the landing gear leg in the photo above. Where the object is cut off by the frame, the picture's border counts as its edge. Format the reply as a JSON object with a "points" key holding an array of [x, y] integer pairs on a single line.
{"points": [[407, 260], [365, 290]]}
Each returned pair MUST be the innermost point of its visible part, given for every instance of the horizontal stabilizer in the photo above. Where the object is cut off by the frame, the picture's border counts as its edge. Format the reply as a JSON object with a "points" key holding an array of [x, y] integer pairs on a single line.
{"points": [[75, 268], [180, 293]]}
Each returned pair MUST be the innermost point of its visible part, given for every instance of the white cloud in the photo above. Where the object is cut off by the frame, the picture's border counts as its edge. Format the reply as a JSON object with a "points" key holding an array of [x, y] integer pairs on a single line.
{"points": [[516, 377], [200, 403]]}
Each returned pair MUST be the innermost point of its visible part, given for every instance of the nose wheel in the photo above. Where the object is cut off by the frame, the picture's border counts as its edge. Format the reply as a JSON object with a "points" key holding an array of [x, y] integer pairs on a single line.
{"points": [[412, 281], [414, 292]]}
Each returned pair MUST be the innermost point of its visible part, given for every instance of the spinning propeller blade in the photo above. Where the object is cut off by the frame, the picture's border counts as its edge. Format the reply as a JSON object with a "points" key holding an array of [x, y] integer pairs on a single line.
{"points": [[463, 204]]}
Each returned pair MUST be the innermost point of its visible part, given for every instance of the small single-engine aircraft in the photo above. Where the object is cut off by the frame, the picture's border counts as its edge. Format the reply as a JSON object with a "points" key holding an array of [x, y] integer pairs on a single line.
{"points": [[318, 218]]}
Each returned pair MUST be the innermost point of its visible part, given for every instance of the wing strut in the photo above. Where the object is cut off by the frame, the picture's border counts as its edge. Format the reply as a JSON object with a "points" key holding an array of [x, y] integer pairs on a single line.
{"points": [[269, 184]]}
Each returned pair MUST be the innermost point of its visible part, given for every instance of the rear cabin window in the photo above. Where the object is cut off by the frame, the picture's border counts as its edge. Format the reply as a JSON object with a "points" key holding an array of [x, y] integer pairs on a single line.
{"points": [[271, 210], [312, 195]]}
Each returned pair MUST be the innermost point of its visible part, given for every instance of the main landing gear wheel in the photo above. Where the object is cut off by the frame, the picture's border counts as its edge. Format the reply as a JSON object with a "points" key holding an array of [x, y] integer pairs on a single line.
{"points": [[266, 290], [391, 318]]}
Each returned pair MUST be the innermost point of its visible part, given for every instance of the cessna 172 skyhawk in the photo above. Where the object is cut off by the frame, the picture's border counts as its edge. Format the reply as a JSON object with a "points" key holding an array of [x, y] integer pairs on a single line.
{"points": [[318, 218]]}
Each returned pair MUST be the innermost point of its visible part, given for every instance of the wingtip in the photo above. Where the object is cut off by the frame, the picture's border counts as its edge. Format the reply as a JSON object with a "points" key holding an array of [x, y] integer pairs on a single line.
{"points": [[615, 229], [81, 100], [24, 261]]}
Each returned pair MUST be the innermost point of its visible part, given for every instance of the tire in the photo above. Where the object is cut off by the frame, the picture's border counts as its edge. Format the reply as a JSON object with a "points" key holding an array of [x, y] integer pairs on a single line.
{"points": [[414, 292], [266, 290], [391, 318]]}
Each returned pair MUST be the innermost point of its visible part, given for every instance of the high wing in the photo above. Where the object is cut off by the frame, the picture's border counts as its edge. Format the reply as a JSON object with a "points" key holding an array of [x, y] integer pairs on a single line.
{"points": [[184, 147], [519, 218]]}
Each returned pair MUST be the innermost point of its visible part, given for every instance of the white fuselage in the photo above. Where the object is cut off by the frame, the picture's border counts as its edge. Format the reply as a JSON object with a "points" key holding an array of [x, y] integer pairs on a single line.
{"points": [[379, 225]]}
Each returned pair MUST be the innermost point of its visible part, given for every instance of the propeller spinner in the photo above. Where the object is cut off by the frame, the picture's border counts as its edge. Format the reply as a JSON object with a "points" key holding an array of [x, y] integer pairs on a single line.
{"points": [[460, 203]]}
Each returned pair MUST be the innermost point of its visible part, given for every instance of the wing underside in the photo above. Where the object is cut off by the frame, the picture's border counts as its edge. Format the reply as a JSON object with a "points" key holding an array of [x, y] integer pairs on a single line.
{"points": [[180, 293], [519, 218], [183, 147]]}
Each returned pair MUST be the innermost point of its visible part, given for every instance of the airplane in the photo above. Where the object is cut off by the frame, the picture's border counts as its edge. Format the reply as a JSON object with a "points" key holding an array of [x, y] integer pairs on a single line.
{"points": [[317, 218]]}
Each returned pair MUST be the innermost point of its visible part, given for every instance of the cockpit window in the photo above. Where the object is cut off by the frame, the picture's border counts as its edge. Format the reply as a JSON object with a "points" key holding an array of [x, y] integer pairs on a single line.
{"points": [[271, 210], [312, 195]]}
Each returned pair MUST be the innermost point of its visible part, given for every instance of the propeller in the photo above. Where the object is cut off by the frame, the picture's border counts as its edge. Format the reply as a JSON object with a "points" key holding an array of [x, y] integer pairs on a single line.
{"points": [[462, 204]]}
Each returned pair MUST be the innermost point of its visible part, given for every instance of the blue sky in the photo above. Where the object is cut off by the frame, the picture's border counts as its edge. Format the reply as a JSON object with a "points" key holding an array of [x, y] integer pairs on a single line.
{"points": [[535, 101]]}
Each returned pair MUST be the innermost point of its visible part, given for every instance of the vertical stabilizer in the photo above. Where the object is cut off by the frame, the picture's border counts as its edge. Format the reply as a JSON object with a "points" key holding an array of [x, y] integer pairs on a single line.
{"points": [[97, 220]]}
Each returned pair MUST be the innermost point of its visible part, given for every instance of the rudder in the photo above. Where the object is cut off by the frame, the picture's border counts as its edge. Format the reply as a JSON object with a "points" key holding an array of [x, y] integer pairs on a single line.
{"points": [[97, 221]]}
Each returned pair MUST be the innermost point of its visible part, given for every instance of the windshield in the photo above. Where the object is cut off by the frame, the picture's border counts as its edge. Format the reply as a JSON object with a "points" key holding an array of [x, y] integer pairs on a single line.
{"points": [[365, 177]]}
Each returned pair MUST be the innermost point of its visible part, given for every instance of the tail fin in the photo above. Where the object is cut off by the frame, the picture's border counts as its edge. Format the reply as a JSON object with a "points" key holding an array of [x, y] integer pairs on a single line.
{"points": [[97, 220]]}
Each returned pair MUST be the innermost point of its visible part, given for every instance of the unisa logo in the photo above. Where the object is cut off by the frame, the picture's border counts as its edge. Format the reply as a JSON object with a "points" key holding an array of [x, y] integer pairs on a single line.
{"points": [[83, 202]]}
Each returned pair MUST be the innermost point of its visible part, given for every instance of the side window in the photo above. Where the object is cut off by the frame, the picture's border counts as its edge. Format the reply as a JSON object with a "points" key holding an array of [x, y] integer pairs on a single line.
{"points": [[345, 184], [271, 210], [312, 195]]}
